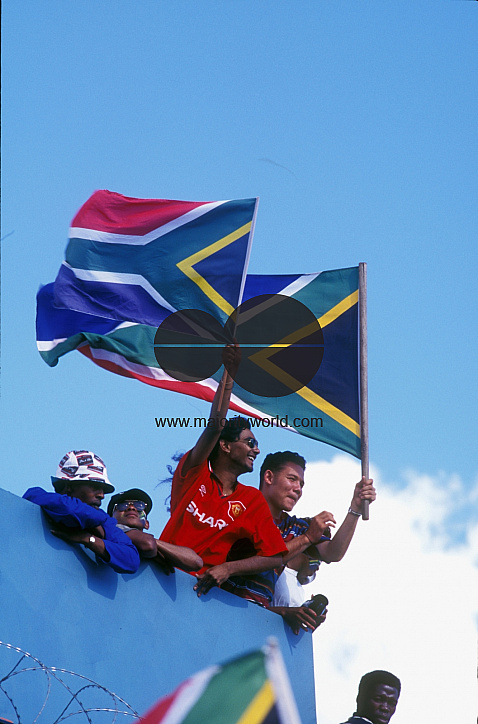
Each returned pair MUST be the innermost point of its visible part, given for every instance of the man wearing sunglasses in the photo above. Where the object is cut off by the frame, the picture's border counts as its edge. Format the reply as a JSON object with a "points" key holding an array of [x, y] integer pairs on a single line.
{"points": [[130, 509], [80, 484], [211, 511]]}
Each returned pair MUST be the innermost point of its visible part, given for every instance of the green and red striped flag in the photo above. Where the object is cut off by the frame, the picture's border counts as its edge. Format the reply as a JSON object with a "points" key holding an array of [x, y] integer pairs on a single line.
{"points": [[251, 689]]}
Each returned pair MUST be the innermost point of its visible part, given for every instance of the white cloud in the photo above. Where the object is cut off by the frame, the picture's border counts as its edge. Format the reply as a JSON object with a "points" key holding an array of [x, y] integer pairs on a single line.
{"points": [[405, 597]]}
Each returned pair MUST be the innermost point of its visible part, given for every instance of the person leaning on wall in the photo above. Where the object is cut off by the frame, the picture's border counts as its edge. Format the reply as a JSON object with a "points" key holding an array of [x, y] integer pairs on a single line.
{"points": [[130, 509], [74, 509]]}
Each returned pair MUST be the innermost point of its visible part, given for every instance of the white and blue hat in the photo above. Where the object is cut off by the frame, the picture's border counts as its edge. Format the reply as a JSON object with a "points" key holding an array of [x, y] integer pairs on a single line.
{"points": [[81, 466]]}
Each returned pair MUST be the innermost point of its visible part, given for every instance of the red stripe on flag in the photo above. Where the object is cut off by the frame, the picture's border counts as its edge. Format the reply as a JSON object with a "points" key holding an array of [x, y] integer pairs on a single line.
{"points": [[114, 213], [186, 388], [156, 714]]}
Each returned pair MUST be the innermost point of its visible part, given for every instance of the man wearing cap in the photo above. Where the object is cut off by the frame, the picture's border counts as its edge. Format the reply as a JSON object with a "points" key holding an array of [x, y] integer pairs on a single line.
{"points": [[130, 509], [377, 698], [80, 484]]}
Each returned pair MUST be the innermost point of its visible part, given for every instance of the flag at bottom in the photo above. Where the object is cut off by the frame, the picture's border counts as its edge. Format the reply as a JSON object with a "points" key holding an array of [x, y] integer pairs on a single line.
{"points": [[251, 689]]}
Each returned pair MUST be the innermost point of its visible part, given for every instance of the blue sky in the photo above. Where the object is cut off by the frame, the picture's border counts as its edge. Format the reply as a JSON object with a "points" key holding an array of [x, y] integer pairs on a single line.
{"points": [[355, 124]]}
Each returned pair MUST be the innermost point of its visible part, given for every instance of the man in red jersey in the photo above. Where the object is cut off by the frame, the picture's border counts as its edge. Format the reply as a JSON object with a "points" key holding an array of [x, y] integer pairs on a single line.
{"points": [[210, 510]]}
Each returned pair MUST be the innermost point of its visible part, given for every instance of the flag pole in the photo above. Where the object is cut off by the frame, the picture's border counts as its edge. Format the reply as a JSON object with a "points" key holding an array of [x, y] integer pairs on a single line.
{"points": [[363, 379], [241, 290], [277, 673]]}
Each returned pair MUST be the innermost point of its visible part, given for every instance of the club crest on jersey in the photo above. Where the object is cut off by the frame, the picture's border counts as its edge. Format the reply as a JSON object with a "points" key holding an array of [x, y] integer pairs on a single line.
{"points": [[203, 490], [203, 518], [236, 508]]}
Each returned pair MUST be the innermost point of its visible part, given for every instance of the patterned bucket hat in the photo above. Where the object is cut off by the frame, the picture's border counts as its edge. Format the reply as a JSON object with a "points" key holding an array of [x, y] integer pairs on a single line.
{"points": [[81, 466]]}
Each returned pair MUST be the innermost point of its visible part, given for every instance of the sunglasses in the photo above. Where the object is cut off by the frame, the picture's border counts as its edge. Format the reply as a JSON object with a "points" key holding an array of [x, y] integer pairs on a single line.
{"points": [[138, 504], [250, 442]]}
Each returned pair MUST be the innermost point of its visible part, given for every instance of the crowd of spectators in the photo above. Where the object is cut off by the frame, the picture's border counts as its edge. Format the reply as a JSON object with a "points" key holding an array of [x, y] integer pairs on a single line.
{"points": [[227, 534], [238, 537]]}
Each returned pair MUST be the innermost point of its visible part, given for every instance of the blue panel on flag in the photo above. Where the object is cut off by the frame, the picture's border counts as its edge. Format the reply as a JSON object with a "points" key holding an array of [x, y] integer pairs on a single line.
{"points": [[257, 284], [55, 323], [337, 378], [122, 302], [212, 269]]}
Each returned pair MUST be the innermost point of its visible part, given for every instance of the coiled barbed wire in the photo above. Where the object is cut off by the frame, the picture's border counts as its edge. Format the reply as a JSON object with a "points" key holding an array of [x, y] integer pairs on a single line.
{"points": [[79, 685]]}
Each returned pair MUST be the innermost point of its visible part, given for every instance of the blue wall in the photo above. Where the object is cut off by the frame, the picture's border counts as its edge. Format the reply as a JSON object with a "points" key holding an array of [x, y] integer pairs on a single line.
{"points": [[137, 635]]}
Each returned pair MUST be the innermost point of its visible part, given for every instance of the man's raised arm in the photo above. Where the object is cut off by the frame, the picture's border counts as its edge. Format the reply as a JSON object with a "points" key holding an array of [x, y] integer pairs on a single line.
{"points": [[200, 452], [334, 550]]}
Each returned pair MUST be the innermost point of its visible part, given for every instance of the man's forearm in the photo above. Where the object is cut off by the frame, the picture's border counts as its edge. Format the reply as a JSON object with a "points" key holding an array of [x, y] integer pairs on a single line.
{"points": [[254, 564], [217, 575], [311, 536], [91, 538], [209, 437], [220, 403], [63, 509], [334, 550], [144, 542], [97, 546], [180, 556], [296, 546], [298, 617]]}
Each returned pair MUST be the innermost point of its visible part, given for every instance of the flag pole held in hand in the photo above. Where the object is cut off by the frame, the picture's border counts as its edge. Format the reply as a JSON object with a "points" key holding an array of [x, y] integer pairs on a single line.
{"points": [[363, 378]]}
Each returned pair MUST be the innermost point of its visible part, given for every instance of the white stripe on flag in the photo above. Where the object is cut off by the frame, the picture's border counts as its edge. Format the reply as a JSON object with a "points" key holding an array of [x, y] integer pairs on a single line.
{"points": [[248, 255], [155, 373], [123, 325], [298, 284], [107, 237], [90, 275], [190, 692], [49, 345]]}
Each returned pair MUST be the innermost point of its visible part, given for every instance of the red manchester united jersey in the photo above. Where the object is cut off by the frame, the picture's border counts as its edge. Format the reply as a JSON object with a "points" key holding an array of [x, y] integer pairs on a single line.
{"points": [[209, 522]]}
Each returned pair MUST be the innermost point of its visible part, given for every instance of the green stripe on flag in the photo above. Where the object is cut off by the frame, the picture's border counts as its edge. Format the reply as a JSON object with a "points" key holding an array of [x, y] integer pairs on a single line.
{"points": [[238, 685]]}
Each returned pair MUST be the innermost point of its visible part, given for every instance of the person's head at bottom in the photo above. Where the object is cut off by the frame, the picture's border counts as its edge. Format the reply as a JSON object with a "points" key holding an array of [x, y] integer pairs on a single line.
{"points": [[378, 696]]}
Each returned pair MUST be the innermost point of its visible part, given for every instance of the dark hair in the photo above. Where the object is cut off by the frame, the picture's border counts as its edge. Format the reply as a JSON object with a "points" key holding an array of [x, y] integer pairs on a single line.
{"points": [[276, 461], [175, 458], [230, 432], [374, 678]]}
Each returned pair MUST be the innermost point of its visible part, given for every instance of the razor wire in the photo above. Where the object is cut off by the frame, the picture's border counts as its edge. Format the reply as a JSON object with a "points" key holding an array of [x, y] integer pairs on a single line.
{"points": [[75, 691]]}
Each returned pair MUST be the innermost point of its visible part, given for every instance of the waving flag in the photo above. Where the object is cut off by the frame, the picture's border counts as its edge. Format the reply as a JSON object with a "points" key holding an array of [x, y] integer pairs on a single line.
{"points": [[137, 260], [326, 409], [252, 689]]}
